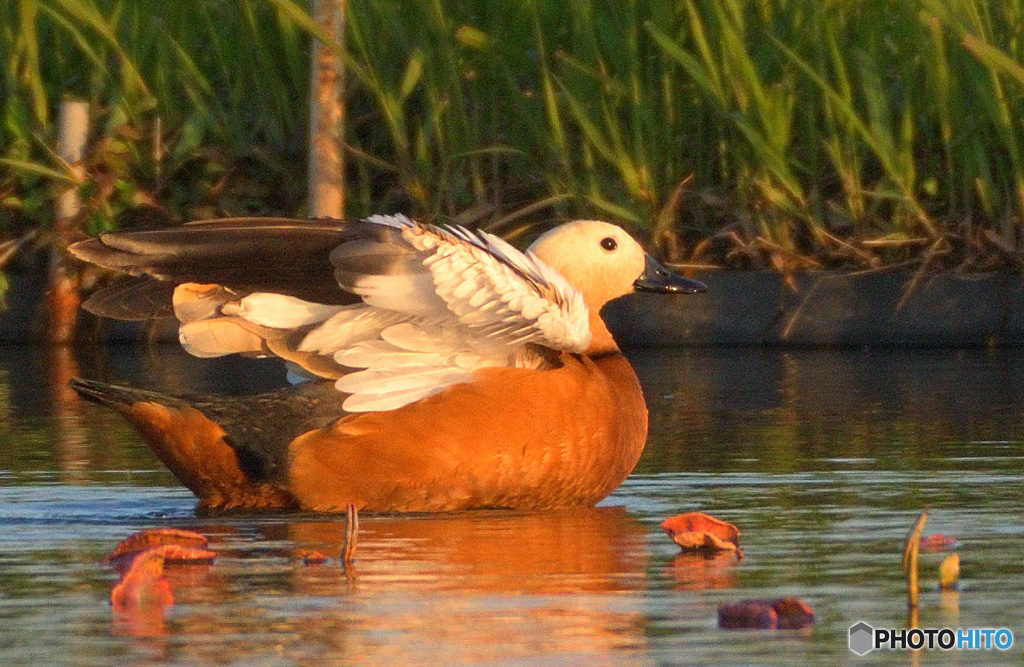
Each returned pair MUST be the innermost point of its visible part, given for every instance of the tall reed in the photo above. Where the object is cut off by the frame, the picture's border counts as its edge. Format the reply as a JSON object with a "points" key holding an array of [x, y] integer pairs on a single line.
{"points": [[179, 89], [757, 131], [855, 132]]}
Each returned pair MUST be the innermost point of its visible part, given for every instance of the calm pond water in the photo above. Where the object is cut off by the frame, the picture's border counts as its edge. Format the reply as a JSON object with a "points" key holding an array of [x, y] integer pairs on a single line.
{"points": [[823, 459]]}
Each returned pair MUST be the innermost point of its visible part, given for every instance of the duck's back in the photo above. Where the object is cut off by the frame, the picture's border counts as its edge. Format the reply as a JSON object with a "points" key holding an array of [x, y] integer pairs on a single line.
{"points": [[513, 438]]}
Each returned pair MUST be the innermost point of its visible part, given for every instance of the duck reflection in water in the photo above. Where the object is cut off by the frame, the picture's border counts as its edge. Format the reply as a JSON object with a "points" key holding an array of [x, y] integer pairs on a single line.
{"points": [[462, 586]]}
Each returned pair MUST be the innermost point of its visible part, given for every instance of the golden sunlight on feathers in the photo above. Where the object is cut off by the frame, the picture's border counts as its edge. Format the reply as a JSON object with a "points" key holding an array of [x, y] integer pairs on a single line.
{"points": [[466, 373]]}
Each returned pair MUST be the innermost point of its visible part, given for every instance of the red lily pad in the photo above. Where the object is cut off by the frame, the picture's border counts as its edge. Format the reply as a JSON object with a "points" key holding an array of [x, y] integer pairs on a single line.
{"points": [[793, 613], [748, 615], [937, 542], [144, 584], [176, 554], [313, 558], [155, 537], [699, 531], [790, 613]]}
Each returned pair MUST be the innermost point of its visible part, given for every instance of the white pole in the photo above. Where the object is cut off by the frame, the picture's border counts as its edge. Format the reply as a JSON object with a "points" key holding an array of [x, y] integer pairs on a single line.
{"points": [[72, 134], [63, 298]]}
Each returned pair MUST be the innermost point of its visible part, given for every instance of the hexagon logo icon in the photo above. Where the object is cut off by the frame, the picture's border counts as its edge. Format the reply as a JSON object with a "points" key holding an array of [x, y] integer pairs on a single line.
{"points": [[862, 638]]}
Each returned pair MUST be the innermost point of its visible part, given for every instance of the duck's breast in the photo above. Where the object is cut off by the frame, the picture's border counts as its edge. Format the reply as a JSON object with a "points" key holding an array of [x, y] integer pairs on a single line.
{"points": [[518, 438]]}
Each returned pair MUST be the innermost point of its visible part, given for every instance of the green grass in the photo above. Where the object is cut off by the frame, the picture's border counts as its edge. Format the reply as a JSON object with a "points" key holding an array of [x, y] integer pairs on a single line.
{"points": [[780, 133], [226, 80]]}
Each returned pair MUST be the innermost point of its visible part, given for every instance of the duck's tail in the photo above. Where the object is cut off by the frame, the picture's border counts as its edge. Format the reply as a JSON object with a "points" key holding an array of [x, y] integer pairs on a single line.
{"points": [[221, 448]]}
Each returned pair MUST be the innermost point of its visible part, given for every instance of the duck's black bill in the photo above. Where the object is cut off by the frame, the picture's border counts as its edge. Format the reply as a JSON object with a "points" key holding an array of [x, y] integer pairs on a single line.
{"points": [[656, 278]]}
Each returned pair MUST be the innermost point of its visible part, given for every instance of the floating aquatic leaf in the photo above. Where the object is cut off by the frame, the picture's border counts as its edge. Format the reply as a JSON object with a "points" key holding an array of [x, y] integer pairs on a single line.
{"points": [[793, 613], [313, 558], [155, 537], [747, 615], [949, 572], [175, 554], [790, 613], [937, 542], [696, 530], [143, 585]]}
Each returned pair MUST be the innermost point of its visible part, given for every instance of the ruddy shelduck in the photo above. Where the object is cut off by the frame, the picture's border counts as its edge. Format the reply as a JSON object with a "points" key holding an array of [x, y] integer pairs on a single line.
{"points": [[436, 368]]}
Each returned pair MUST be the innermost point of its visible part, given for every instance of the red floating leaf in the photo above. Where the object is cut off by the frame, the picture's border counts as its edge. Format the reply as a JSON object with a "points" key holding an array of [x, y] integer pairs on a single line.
{"points": [[748, 615], [176, 554], [937, 542], [790, 613], [143, 585], [155, 537], [313, 558], [696, 530], [793, 613]]}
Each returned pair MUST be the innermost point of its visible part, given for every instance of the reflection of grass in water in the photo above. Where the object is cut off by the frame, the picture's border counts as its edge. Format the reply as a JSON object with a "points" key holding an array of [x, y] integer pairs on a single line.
{"points": [[112, 453], [788, 411], [31, 433], [784, 441], [890, 125]]}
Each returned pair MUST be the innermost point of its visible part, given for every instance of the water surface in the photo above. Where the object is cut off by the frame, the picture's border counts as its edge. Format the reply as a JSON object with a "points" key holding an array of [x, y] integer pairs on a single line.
{"points": [[823, 459]]}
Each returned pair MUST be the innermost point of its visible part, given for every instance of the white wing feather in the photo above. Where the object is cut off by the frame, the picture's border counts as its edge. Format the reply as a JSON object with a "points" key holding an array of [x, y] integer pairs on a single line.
{"points": [[438, 304], [504, 293], [278, 310]]}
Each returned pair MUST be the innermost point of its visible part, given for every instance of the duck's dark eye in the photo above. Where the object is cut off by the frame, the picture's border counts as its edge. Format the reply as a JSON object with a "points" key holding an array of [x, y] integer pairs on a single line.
{"points": [[609, 244]]}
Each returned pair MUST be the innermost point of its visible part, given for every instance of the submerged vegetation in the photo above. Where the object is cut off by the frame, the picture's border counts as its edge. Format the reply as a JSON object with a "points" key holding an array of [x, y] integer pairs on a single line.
{"points": [[751, 133]]}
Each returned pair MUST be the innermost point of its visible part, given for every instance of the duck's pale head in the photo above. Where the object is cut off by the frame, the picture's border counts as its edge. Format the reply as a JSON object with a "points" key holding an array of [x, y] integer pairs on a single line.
{"points": [[603, 262]]}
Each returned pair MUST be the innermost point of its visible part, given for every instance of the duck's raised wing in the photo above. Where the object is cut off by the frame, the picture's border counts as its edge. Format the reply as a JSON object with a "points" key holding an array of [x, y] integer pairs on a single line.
{"points": [[473, 278], [438, 304], [432, 304], [279, 255]]}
